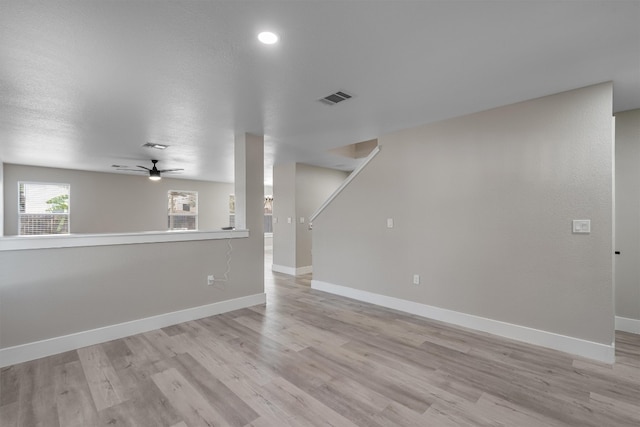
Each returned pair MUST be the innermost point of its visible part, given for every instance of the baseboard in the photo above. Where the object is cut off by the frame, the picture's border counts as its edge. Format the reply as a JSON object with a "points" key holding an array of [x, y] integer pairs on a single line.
{"points": [[304, 270], [291, 271], [283, 269], [588, 349], [48, 347], [625, 324]]}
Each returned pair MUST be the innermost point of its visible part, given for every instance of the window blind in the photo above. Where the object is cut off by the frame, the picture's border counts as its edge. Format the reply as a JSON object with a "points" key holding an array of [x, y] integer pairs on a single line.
{"points": [[43, 208], [183, 210]]}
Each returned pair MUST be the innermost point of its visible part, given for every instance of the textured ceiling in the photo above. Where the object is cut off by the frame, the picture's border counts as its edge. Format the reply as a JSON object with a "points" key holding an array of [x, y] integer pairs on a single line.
{"points": [[83, 84]]}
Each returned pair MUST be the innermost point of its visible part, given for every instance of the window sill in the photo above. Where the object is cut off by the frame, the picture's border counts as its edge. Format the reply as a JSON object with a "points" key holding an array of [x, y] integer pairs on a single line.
{"points": [[18, 243]]}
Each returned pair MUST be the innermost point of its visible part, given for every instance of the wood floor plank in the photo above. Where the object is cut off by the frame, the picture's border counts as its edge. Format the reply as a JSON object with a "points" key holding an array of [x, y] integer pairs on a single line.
{"points": [[397, 415], [226, 359], [620, 412], [352, 400], [383, 382], [74, 402], [193, 407], [119, 354], [233, 409], [307, 334], [162, 342], [121, 415], [140, 412], [303, 405], [419, 372], [142, 351], [510, 414], [280, 360], [627, 349], [617, 370], [277, 334], [104, 383], [173, 330], [37, 394], [9, 385], [216, 329], [148, 406], [255, 396]]}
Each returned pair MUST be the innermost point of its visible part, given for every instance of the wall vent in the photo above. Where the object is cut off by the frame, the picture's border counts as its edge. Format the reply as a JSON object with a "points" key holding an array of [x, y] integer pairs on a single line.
{"points": [[334, 98]]}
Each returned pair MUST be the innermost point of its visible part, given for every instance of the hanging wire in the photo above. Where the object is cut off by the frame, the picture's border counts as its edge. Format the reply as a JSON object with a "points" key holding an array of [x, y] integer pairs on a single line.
{"points": [[228, 271]]}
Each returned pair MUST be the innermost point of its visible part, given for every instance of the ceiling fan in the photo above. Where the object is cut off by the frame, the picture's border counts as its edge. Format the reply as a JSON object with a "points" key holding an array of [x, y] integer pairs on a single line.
{"points": [[154, 172]]}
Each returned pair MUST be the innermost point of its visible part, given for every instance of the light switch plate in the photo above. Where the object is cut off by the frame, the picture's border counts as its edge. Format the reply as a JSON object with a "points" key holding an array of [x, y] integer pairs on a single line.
{"points": [[288, 220], [389, 222], [581, 226]]}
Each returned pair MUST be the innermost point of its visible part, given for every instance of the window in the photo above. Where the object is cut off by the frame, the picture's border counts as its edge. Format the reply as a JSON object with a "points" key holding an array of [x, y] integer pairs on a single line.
{"points": [[232, 210], [268, 212], [43, 208], [183, 210]]}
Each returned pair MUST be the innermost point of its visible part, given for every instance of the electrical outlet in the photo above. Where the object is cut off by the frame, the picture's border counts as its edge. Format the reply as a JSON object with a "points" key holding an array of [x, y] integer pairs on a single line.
{"points": [[416, 279], [210, 279]]}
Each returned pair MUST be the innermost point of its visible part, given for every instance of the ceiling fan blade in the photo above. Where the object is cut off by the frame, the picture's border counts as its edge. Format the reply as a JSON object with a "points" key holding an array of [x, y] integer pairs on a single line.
{"points": [[132, 170], [170, 170], [143, 167]]}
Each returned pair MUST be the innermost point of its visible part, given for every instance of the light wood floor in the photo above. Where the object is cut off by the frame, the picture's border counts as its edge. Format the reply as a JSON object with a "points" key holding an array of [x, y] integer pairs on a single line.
{"points": [[314, 359]]}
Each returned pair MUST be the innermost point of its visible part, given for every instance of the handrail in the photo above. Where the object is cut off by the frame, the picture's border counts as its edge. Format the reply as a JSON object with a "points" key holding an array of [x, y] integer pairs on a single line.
{"points": [[346, 182]]}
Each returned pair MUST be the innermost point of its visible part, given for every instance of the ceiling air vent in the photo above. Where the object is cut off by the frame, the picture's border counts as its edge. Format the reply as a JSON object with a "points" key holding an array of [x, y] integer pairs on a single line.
{"points": [[156, 146], [334, 98]]}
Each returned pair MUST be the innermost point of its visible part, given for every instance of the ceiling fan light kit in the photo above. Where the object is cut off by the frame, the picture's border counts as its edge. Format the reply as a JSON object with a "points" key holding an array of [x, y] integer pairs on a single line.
{"points": [[154, 172]]}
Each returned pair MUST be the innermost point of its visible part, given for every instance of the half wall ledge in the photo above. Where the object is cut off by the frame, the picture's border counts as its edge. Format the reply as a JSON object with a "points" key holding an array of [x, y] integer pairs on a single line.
{"points": [[19, 243]]}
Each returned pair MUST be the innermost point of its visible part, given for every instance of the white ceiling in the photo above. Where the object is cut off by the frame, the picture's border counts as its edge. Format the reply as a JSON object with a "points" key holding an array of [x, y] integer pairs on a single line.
{"points": [[83, 84]]}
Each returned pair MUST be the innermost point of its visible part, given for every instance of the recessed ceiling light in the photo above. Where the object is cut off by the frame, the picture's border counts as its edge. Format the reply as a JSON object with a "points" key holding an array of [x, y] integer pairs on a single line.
{"points": [[267, 37]]}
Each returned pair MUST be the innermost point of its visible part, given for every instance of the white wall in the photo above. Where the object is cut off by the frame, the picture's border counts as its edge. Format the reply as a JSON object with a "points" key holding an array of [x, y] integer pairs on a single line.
{"points": [[628, 220], [483, 206], [110, 203]]}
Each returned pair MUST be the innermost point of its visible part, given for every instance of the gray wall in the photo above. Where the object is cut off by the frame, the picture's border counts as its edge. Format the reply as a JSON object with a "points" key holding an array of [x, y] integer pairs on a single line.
{"points": [[299, 190], [111, 203], [1, 198], [628, 214], [314, 185], [284, 206], [483, 206], [53, 292]]}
